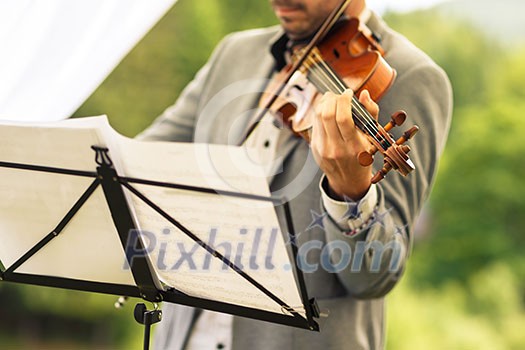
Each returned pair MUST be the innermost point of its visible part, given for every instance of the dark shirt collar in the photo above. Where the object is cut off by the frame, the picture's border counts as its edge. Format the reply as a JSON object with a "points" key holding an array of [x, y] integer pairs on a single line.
{"points": [[278, 48]]}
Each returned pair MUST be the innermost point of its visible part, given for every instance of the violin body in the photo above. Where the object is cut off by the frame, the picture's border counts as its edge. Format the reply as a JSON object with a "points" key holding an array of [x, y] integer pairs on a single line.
{"points": [[350, 53], [358, 59]]}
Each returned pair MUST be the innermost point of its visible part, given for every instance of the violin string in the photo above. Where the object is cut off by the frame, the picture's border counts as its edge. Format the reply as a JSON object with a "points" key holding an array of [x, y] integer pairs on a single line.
{"points": [[325, 76], [317, 79], [329, 76], [355, 102], [322, 75], [359, 120], [359, 109], [362, 115]]}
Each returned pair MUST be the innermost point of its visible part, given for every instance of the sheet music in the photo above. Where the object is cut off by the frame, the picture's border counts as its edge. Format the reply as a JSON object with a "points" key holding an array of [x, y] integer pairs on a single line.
{"points": [[246, 231], [33, 203]]}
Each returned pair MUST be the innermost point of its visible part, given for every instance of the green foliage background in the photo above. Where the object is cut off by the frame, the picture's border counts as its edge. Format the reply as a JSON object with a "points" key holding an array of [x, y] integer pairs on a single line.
{"points": [[464, 288]]}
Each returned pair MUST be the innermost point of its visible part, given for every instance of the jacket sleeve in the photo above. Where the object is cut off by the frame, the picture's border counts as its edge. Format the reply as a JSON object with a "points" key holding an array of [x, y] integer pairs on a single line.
{"points": [[380, 250]]}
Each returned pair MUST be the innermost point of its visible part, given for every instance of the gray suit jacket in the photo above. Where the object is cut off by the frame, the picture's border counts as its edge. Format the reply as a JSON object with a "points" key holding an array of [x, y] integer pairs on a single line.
{"points": [[213, 108]]}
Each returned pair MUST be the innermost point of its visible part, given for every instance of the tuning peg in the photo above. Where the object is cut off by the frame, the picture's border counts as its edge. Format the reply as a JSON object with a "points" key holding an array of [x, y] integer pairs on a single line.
{"points": [[408, 135], [380, 175], [367, 158], [396, 119]]}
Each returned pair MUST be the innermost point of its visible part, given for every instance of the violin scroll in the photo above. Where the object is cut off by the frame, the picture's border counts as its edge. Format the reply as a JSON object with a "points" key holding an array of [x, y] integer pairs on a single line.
{"points": [[396, 154]]}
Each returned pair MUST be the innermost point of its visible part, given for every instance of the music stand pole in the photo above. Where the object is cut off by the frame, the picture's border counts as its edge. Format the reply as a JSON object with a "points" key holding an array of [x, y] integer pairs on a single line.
{"points": [[147, 318]]}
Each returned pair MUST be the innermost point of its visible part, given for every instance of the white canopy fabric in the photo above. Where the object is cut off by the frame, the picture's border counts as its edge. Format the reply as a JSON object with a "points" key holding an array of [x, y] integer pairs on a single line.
{"points": [[55, 53]]}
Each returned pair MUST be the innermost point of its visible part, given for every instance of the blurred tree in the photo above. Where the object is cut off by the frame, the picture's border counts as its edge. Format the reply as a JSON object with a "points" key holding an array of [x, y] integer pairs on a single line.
{"points": [[32, 316], [466, 279], [462, 50], [478, 199]]}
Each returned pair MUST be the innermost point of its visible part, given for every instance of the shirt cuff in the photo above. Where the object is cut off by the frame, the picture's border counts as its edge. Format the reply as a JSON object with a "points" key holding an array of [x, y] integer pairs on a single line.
{"points": [[351, 216]]}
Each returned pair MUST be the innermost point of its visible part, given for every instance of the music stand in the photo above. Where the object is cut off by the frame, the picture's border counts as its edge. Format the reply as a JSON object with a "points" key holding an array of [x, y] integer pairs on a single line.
{"points": [[146, 283]]}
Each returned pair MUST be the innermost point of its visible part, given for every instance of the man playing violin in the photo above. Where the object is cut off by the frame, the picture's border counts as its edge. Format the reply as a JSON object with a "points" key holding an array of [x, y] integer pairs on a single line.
{"points": [[324, 178]]}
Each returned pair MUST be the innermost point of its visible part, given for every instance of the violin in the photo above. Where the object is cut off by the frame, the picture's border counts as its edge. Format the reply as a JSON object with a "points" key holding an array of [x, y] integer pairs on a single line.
{"points": [[343, 54]]}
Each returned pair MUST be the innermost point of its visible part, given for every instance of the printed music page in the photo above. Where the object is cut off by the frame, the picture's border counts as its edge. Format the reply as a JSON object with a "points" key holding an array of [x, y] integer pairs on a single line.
{"points": [[32, 203], [246, 231]]}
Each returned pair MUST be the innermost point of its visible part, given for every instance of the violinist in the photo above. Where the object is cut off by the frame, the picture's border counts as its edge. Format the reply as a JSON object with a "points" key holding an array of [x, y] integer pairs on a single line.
{"points": [[331, 194]]}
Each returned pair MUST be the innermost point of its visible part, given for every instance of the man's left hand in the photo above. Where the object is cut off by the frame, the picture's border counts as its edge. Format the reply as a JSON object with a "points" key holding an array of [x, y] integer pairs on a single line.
{"points": [[336, 143]]}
